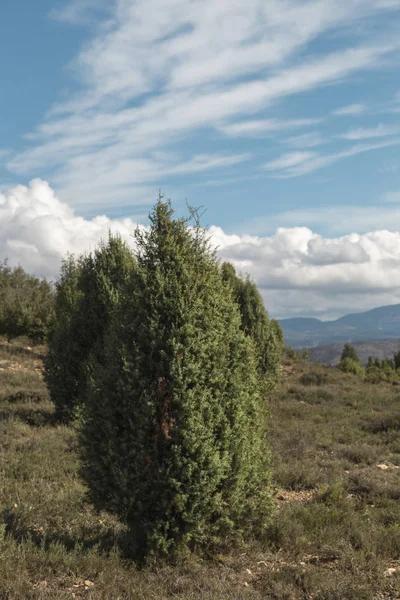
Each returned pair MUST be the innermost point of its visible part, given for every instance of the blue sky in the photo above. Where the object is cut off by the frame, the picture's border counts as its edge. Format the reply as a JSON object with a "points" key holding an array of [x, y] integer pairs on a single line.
{"points": [[269, 132], [270, 114]]}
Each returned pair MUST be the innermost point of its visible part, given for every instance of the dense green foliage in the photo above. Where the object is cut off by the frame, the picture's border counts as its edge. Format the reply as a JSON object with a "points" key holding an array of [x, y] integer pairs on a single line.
{"points": [[26, 304], [266, 335], [348, 365], [376, 371], [383, 370], [350, 362], [88, 290], [350, 352], [291, 354], [173, 433]]}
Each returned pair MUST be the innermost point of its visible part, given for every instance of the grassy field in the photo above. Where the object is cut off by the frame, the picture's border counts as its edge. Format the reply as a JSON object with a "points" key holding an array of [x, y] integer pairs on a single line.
{"points": [[336, 533]]}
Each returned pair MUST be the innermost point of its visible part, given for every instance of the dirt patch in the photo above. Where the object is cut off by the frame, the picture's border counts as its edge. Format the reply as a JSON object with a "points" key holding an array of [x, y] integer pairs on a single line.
{"points": [[284, 497]]}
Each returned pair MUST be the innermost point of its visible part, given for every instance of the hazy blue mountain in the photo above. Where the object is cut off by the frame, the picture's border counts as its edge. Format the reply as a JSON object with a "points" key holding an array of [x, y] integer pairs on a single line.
{"points": [[381, 323]]}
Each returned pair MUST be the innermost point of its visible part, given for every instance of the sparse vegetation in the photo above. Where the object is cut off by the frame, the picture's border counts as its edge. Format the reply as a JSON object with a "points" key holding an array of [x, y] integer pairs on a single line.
{"points": [[336, 453]]}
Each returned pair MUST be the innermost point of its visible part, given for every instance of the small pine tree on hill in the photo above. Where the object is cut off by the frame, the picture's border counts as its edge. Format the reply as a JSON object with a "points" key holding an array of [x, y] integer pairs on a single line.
{"points": [[350, 362], [173, 434], [349, 352]]}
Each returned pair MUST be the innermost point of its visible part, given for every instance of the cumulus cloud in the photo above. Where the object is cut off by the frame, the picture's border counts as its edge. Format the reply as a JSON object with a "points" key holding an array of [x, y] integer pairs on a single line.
{"points": [[38, 230], [297, 270]]}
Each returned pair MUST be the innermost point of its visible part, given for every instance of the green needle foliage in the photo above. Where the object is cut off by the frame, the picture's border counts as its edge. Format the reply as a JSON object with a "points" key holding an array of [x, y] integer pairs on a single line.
{"points": [[173, 436], [267, 335], [88, 290]]}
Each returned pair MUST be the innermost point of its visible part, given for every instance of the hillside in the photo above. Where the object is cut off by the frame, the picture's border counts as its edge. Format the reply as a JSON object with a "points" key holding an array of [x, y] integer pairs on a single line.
{"points": [[382, 323], [335, 535]]}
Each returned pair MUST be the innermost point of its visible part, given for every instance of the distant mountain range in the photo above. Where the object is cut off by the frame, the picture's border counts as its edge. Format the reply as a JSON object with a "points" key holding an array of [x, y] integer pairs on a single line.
{"points": [[379, 324]]}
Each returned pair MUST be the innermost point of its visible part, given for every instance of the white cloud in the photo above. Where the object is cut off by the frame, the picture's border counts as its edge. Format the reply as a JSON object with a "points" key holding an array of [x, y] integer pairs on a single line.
{"points": [[298, 271], [303, 163], [37, 230], [333, 220], [262, 127], [351, 110], [289, 160], [372, 132], [158, 71], [78, 11], [306, 140]]}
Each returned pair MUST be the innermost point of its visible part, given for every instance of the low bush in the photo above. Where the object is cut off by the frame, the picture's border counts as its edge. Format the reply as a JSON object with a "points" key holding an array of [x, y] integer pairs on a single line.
{"points": [[313, 378]]}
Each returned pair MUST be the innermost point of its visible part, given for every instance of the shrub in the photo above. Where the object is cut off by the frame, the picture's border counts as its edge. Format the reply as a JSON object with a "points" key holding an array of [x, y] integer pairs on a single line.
{"points": [[173, 432], [88, 290], [348, 365], [26, 304], [313, 378], [290, 354]]}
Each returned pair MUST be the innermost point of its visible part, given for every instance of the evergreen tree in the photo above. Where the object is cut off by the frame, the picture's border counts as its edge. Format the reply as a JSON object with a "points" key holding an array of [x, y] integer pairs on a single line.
{"points": [[349, 352], [173, 434], [267, 335], [88, 290], [396, 359], [370, 363]]}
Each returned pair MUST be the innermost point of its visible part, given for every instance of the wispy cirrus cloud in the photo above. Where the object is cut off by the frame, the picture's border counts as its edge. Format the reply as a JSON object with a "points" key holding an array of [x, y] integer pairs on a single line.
{"points": [[77, 12], [302, 163], [306, 140], [264, 127], [158, 72], [290, 160], [371, 132], [351, 110]]}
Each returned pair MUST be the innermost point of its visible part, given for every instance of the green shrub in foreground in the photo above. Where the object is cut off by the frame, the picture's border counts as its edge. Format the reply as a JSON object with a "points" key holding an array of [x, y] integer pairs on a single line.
{"points": [[173, 432]]}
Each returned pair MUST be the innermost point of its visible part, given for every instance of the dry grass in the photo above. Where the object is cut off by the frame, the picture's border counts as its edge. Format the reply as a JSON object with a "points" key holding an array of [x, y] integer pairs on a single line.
{"points": [[337, 526]]}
